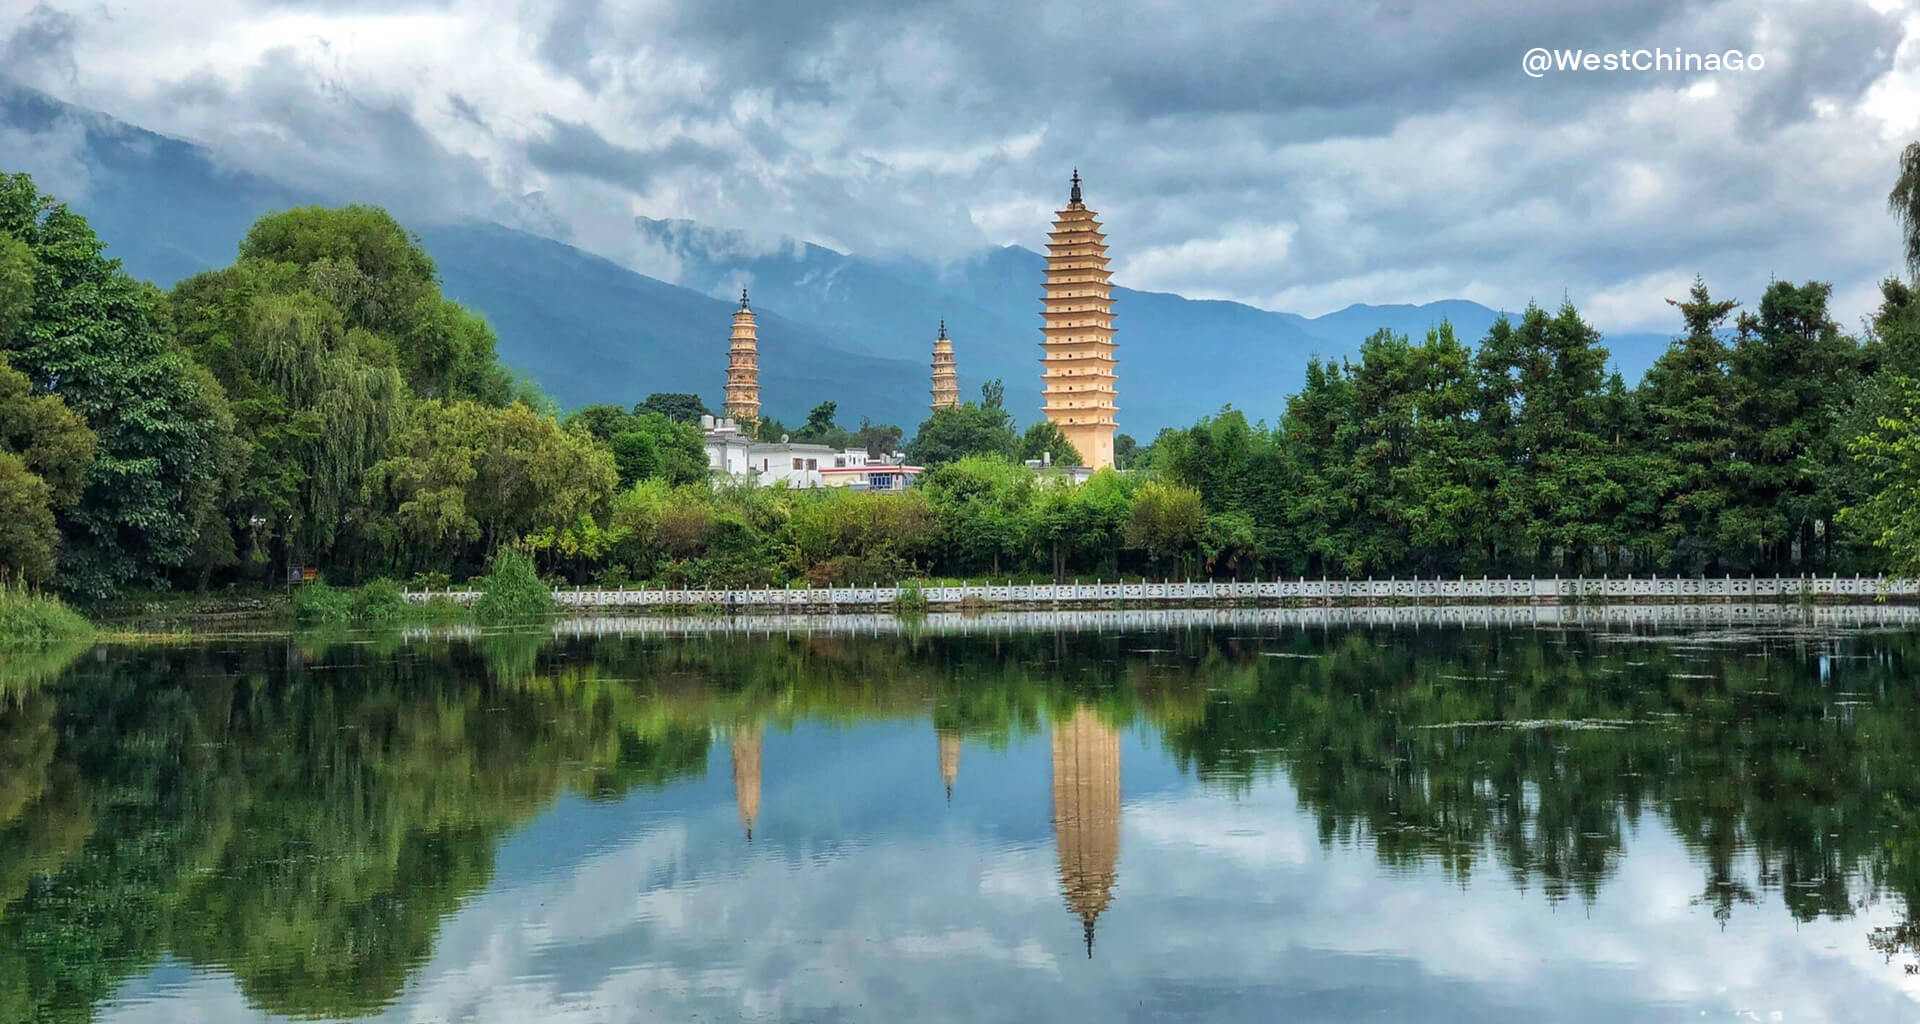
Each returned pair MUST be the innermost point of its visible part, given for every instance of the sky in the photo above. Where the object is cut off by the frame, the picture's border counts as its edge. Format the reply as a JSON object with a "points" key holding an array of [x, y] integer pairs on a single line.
{"points": [[1300, 157]]}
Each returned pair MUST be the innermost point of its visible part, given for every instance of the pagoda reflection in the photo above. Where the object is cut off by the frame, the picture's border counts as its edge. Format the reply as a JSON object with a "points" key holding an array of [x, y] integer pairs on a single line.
{"points": [[746, 775], [949, 759], [1086, 813]]}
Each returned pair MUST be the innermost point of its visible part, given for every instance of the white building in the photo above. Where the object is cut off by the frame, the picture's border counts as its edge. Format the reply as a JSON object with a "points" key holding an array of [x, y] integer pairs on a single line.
{"points": [[727, 447], [765, 463]]}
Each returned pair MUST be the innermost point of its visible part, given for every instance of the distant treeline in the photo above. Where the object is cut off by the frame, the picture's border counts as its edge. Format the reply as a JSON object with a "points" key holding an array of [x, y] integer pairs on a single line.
{"points": [[320, 403]]}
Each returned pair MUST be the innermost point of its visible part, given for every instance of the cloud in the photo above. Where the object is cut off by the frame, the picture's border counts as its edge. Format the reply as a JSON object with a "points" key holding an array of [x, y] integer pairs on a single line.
{"points": [[1317, 154], [40, 48]]}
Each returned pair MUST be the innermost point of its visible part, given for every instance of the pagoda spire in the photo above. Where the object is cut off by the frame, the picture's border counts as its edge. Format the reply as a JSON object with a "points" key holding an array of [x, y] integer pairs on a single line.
{"points": [[946, 379], [1078, 368], [743, 369]]}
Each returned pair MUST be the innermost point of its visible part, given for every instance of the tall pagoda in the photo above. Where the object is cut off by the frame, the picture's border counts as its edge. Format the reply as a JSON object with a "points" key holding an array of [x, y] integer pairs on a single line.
{"points": [[946, 381], [1086, 813], [743, 369], [1077, 350]]}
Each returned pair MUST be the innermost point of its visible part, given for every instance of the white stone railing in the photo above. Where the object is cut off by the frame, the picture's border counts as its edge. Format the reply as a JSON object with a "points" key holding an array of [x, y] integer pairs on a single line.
{"points": [[1141, 593], [1737, 616]]}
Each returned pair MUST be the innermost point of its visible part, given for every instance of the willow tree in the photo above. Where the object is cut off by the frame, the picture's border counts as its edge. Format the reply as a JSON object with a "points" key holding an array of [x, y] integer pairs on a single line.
{"points": [[1904, 201]]}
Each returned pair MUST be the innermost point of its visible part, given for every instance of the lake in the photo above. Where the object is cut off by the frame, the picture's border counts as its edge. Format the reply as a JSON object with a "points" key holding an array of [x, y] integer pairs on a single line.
{"points": [[1580, 814]]}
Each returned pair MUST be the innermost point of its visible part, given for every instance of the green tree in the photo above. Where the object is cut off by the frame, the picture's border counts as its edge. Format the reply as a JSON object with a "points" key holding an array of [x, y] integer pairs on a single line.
{"points": [[1792, 372], [966, 429], [820, 427], [465, 476], [1166, 522], [1687, 439], [876, 438], [1904, 201], [676, 406], [1044, 438], [92, 335], [45, 454]]}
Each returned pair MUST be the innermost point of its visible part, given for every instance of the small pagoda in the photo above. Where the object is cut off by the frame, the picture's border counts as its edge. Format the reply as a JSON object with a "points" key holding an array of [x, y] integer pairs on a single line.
{"points": [[946, 380], [743, 369]]}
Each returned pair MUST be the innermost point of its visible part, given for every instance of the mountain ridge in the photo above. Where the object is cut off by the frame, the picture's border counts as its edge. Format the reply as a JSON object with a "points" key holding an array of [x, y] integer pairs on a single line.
{"points": [[841, 327]]}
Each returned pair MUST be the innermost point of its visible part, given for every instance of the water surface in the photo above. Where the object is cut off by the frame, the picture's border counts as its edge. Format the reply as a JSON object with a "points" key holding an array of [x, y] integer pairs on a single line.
{"points": [[1571, 815]]}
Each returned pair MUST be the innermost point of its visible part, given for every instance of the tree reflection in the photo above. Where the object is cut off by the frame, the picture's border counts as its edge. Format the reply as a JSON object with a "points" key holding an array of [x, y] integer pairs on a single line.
{"points": [[305, 815]]}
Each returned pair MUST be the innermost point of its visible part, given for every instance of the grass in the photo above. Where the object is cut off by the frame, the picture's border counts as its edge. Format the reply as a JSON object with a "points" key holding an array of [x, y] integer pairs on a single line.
{"points": [[29, 619]]}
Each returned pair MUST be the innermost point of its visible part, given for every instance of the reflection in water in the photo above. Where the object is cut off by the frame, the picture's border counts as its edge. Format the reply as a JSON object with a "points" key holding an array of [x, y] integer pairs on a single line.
{"points": [[746, 775], [330, 829], [949, 759], [1086, 812]]}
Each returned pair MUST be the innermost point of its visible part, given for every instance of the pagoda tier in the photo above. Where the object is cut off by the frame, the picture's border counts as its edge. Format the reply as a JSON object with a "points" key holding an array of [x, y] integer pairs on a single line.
{"points": [[946, 379], [1077, 349], [743, 368]]}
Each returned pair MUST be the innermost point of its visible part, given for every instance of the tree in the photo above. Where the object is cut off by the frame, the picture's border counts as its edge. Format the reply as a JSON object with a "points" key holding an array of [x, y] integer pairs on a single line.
{"points": [[1124, 450], [45, 453], [1166, 521], [1904, 201], [674, 451], [993, 394], [97, 338], [1044, 438], [16, 285], [876, 438], [1686, 437], [961, 430], [603, 422], [676, 406], [1890, 453], [465, 476], [820, 428], [1792, 372]]}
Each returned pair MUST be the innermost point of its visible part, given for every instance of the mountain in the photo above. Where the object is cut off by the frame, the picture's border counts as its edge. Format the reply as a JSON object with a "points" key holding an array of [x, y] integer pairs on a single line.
{"points": [[585, 329], [852, 329], [1180, 358]]}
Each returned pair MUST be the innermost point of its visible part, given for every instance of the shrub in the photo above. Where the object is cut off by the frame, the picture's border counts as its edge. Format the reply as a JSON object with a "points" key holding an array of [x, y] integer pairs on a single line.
{"points": [[380, 603], [33, 620], [321, 603], [512, 589]]}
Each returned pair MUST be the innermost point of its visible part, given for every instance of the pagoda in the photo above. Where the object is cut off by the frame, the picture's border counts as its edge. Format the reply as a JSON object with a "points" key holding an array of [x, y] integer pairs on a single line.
{"points": [[743, 369], [1086, 813], [946, 382], [1077, 350]]}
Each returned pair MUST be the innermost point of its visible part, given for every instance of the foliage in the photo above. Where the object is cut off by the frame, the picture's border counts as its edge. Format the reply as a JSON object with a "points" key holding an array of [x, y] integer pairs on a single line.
{"points": [[512, 590], [381, 603], [966, 429], [99, 340], [1904, 202], [676, 406], [1045, 440], [319, 603], [30, 619]]}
